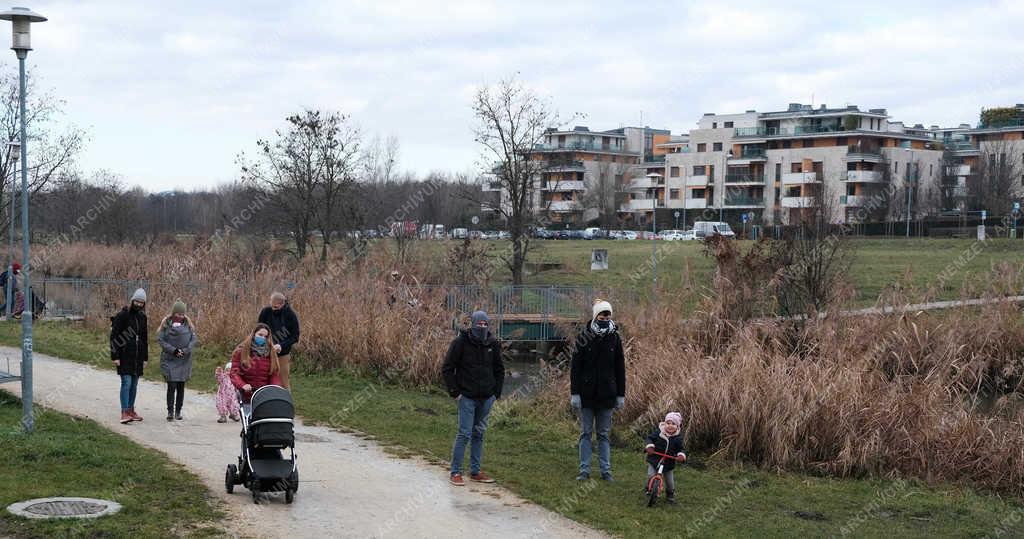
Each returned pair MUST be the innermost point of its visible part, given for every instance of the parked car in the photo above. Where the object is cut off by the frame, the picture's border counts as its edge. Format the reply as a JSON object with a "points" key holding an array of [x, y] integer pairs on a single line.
{"points": [[615, 235], [542, 234], [647, 235], [671, 235], [689, 235], [711, 228], [459, 233], [590, 232], [629, 235], [504, 235], [561, 235]]}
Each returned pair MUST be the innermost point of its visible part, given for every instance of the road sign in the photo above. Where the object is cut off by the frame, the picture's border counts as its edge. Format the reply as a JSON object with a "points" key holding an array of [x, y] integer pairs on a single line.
{"points": [[984, 214], [745, 217], [475, 220], [675, 214], [1016, 206]]}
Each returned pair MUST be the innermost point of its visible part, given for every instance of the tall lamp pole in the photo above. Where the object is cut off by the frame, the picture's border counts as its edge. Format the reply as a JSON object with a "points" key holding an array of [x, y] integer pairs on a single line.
{"points": [[654, 177], [14, 153], [21, 21]]}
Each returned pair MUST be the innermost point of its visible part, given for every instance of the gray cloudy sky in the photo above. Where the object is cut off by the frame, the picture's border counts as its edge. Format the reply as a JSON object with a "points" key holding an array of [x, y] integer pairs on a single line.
{"points": [[171, 92]]}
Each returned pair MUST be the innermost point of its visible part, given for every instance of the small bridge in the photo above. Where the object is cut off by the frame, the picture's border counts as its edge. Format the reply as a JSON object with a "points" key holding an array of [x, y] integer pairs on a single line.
{"points": [[522, 313]]}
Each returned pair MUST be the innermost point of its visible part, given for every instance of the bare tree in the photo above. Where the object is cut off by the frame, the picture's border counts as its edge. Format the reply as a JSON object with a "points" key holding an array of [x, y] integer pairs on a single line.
{"points": [[996, 180], [511, 121], [309, 163], [338, 154], [52, 147], [601, 193]]}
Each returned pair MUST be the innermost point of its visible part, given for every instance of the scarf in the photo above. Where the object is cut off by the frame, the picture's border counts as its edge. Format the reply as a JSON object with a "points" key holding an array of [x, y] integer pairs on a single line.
{"points": [[261, 351], [594, 327]]}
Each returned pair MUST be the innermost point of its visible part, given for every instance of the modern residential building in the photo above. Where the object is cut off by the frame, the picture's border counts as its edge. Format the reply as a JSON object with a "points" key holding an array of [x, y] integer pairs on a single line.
{"points": [[581, 173]]}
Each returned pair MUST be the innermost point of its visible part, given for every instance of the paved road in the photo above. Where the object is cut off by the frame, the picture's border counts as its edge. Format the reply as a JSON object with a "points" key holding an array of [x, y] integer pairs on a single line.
{"points": [[348, 488]]}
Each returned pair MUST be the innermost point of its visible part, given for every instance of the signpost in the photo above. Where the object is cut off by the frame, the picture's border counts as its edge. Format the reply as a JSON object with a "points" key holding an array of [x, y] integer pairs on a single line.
{"points": [[1016, 212], [598, 259], [745, 217], [676, 215]]}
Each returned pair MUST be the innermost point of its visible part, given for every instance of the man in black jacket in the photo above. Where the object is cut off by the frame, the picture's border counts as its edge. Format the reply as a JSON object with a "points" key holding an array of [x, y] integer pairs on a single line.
{"points": [[474, 374], [129, 351], [284, 327], [597, 386]]}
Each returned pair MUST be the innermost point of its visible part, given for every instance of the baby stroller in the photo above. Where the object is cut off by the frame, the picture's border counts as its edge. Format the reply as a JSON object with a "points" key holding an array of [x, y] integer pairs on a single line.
{"points": [[267, 429]]}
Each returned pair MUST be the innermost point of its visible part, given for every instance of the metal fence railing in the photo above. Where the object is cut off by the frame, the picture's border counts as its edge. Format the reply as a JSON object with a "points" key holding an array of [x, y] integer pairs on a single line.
{"points": [[72, 297], [519, 313]]}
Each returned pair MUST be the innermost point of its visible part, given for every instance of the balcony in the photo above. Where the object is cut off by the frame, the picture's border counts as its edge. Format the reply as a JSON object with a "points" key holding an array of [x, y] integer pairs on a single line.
{"points": [[763, 132], [798, 202], [959, 170], [697, 181], [564, 205], [750, 154], [582, 146], [569, 166], [797, 178], [863, 152], [1019, 122], [644, 183], [746, 178], [744, 202], [853, 200], [562, 186], [696, 203], [864, 176]]}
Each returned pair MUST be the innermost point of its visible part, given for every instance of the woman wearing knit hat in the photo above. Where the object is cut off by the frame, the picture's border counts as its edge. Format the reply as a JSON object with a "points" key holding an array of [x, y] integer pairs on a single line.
{"points": [[177, 338], [597, 386], [129, 351], [474, 374]]}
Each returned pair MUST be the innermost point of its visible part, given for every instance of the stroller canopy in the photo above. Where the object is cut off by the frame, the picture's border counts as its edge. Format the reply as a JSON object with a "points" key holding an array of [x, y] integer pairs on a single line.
{"points": [[272, 402]]}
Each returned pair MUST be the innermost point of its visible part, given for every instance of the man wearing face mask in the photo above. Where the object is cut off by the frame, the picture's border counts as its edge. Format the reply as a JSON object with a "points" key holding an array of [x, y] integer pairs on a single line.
{"points": [[597, 386], [474, 374], [129, 351]]}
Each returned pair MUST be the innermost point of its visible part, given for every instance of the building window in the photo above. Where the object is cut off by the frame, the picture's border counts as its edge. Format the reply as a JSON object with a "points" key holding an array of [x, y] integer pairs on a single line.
{"points": [[702, 147], [717, 146], [698, 193], [673, 172], [728, 125], [841, 141], [714, 125], [613, 159], [895, 167], [930, 173], [786, 144], [796, 167], [674, 193], [778, 171], [698, 170]]}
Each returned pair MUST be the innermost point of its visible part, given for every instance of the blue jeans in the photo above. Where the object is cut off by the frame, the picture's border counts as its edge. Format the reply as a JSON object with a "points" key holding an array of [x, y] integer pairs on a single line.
{"points": [[472, 425], [603, 418], [129, 386]]}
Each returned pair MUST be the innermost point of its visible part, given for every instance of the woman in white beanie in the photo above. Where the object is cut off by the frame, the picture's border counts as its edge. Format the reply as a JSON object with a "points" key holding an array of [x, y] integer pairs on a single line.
{"points": [[597, 386]]}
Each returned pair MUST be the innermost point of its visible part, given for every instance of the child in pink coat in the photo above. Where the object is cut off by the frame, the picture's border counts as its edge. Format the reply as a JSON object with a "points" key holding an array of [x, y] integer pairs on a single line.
{"points": [[227, 401]]}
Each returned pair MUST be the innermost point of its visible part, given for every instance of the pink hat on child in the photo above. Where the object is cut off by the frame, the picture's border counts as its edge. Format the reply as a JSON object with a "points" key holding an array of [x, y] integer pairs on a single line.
{"points": [[674, 417]]}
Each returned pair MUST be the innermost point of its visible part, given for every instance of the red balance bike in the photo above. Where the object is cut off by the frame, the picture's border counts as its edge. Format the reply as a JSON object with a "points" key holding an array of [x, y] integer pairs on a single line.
{"points": [[657, 481]]}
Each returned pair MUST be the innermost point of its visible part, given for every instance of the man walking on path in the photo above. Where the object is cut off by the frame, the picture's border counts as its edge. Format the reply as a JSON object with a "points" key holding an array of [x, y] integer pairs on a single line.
{"points": [[129, 351], [474, 374], [284, 328]]}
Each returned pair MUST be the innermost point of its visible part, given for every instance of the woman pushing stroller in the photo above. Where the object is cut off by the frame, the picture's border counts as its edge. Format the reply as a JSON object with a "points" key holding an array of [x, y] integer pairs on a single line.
{"points": [[254, 363]]}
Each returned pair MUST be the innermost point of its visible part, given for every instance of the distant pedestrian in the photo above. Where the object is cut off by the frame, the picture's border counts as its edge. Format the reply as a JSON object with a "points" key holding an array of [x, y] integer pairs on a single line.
{"points": [[177, 338], [9, 279], [284, 328], [129, 351], [597, 386], [474, 374]]}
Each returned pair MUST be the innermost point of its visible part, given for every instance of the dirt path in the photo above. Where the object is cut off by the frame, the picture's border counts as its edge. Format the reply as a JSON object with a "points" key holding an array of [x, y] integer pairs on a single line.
{"points": [[348, 487]]}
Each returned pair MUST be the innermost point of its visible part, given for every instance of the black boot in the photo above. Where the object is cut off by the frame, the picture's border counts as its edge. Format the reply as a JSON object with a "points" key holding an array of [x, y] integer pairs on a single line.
{"points": [[670, 496]]}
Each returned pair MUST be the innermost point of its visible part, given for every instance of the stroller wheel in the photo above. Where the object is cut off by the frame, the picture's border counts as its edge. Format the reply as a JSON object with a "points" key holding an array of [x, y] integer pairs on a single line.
{"points": [[255, 496], [293, 481], [230, 478], [289, 496]]}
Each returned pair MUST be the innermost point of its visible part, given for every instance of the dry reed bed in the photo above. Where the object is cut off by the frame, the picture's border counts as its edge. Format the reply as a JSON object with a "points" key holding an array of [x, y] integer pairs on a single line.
{"points": [[894, 395]]}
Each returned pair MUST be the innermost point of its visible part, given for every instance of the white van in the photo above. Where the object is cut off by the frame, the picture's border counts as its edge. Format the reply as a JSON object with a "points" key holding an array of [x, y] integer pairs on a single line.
{"points": [[705, 229], [591, 232], [459, 233]]}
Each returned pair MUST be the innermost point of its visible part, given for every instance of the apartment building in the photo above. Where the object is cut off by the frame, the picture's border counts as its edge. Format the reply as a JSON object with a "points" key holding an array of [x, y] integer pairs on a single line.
{"points": [[785, 166]]}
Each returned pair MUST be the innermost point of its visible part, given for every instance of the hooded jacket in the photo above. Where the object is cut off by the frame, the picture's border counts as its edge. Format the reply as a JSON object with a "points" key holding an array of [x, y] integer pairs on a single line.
{"points": [[284, 326], [128, 341], [474, 368], [176, 369], [598, 369], [663, 443]]}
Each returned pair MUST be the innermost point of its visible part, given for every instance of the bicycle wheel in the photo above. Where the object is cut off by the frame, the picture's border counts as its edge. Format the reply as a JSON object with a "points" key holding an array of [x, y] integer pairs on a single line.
{"points": [[654, 488]]}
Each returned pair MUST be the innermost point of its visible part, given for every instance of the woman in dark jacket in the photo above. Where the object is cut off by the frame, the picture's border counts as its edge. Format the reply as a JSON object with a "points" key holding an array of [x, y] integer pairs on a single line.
{"points": [[129, 350], [474, 374], [597, 386], [284, 327]]}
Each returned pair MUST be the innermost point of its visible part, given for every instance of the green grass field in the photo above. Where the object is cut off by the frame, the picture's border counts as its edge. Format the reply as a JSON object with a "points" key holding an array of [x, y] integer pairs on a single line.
{"points": [[69, 456], [878, 263], [535, 457]]}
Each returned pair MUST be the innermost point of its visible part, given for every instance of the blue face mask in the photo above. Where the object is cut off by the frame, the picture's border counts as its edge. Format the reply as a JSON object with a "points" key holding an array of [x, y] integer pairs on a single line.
{"points": [[479, 332], [259, 340], [603, 324]]}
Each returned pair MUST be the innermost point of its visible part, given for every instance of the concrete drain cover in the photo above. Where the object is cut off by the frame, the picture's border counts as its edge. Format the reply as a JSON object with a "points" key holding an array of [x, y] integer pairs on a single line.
{"points": [[64, 508]]}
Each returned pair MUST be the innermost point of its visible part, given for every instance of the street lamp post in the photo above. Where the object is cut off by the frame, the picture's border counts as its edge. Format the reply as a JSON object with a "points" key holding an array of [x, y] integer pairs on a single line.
{"points": [[654, 177], [15, 153], [21, 21], [910, 187]]}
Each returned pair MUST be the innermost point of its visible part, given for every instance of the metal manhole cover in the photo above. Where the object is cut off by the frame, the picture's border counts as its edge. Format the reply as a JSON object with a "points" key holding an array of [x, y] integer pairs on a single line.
{"points": [[66, 507]]}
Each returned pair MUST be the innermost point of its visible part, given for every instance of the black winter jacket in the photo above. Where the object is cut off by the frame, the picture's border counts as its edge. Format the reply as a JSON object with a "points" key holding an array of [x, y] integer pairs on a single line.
{"points": [[663, 443], [128, 341], [472, 368], [598, 370], [284, 326]]}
